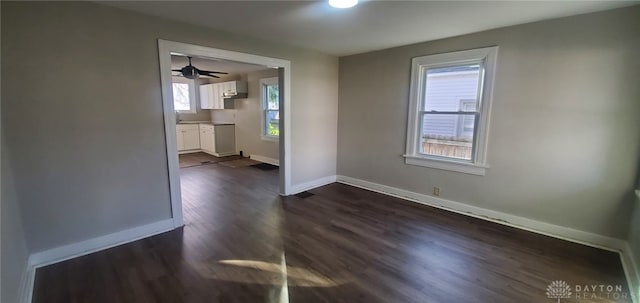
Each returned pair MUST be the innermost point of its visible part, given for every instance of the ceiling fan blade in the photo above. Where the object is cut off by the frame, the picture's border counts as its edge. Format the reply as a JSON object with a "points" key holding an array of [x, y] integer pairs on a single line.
{"points": [[209, 75], [176, 70], [200, 71]]}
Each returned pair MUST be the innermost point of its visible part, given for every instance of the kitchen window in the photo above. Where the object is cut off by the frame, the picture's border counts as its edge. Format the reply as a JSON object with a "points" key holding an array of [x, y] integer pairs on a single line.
{"points": [[270, 96], [450, 104], [184, 95]]}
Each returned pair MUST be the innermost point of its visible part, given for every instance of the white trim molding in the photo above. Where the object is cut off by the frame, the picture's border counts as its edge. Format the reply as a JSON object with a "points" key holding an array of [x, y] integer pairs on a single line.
{"points": [[298, 188], [74, 250], [264, 159], [165, 49], [461, 167], [631, 272], [26, 288], [66, 252]]}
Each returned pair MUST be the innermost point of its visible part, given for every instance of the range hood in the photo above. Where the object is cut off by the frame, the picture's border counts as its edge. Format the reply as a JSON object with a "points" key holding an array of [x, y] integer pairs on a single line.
{"points": [[234, 95]]}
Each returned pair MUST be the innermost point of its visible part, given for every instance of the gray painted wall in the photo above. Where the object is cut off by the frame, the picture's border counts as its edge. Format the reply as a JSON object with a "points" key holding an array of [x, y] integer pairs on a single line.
{"points": [[13, 260], [86, 130], [14, 256], [564, 130], [249, 119]]}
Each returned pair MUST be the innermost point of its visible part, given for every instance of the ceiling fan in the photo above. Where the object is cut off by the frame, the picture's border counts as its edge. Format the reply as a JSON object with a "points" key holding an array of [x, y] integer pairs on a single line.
{"points": [[191, 72]]}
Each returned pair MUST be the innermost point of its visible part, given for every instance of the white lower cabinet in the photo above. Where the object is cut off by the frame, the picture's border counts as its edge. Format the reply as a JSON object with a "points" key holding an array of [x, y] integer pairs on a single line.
{"points": [[207, 142], [218, 140], [187, 137]]}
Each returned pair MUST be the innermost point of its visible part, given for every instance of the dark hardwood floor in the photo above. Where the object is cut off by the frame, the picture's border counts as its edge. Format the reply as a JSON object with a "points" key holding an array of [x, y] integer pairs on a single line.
{"points": [[201, 158], [244, 243]]}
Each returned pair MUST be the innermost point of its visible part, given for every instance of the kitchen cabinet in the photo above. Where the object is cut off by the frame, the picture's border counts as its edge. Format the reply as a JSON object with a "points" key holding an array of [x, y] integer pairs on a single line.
{"points": [[212, 96], [187, 137], [218, 140], [233, 88], [207, 142]]}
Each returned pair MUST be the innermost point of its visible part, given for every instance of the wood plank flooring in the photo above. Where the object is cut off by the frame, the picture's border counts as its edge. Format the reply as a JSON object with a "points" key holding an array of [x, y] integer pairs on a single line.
{"points": [[201, 158], [244, 243]]}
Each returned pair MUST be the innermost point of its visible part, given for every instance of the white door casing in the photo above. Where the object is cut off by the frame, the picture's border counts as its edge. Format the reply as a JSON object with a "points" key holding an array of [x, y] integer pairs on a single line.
{"points": [[165, 49]]}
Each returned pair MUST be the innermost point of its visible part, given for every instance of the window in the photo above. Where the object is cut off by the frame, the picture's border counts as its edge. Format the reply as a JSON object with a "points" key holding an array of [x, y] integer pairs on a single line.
{"points": [[449, 110], [184, 95], [270, 96]]}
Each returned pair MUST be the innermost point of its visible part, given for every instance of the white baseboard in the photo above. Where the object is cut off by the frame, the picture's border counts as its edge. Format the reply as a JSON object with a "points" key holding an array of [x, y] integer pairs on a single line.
{"points": [[24, 288], [66, 252], [556, 231], [225, 154], [264, 159], [297, 188], [189, 151], [82, 248], [631, 271], [30, 276]]}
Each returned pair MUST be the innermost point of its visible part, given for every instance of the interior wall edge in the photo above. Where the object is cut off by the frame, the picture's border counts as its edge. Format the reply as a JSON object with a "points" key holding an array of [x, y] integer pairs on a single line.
{"points": [[298, 188], [630, 266]]}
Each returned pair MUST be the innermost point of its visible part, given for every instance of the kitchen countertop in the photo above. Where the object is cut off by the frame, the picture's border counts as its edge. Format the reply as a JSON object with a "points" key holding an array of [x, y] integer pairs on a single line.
{"points": [[194, 122], [204, 122]]}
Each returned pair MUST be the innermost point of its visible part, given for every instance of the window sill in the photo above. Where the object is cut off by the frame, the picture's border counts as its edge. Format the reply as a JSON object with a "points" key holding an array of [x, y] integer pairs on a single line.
{"points": [[186, 112], [270, 138], [461, 167]]}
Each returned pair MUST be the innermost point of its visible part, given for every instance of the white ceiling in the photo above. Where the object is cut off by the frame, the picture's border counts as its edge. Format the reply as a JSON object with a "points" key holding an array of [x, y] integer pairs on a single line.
{"points": [[217, 65], [371, 25]]}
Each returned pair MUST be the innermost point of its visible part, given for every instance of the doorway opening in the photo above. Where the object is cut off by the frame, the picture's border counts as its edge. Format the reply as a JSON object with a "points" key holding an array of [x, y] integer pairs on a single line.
{"points": [[231, 109]]}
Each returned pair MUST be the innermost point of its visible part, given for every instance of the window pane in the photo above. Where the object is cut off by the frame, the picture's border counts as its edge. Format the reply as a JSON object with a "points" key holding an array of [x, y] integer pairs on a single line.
{"points": [[272, 123], [181, 96], [272, 97], [447, 87], [447, 135]]}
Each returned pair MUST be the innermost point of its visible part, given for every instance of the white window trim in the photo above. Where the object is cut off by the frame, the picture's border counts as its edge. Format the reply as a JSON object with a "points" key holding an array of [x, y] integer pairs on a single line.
{"points": [[192, 94], [418, 67], [264, 82]]}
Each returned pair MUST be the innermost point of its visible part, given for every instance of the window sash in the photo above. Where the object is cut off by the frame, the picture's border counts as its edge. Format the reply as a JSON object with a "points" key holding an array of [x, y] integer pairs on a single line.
{"points": [[192, 94], [266, 110], [267, 120], [419, 138], [481, 114], [477, 113]]}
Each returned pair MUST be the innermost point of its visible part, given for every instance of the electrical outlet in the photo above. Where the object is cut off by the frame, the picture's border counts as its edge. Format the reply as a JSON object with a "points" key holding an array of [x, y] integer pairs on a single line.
{"points": [[436, 191]]}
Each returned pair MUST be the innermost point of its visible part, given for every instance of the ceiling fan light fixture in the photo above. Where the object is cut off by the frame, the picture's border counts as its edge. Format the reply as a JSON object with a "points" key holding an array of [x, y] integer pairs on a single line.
{"points": [[343, 3]]}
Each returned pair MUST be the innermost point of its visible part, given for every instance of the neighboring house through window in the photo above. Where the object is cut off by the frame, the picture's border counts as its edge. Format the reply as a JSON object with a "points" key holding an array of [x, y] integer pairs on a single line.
{"points": [[184, 95], [449, 110], [270, 95]]}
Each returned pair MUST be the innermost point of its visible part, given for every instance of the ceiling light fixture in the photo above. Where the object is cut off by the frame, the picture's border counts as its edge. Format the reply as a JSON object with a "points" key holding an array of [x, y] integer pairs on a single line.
{"points": [[343, 3]]}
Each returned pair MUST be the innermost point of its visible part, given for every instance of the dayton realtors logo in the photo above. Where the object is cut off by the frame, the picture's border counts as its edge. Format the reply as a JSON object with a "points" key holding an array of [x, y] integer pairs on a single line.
{"points": [[558, 290], [562, 290]]}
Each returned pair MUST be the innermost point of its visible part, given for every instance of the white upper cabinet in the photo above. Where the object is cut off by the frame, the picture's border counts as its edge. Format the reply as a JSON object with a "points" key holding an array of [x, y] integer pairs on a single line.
{"points": [[233, 88], [210, 96]]}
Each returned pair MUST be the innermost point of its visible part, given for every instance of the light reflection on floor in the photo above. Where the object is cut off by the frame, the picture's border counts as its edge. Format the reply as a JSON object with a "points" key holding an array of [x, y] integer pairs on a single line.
{"points": [[265, 273]]}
